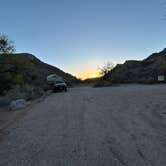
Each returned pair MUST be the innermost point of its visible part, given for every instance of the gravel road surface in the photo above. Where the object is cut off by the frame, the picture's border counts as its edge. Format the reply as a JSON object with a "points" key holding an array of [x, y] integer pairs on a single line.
{"points": [[113, 126]]}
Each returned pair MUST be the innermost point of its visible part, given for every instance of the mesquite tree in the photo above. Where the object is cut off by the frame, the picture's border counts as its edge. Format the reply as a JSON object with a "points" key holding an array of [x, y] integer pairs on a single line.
{"points": [[6, 46]]}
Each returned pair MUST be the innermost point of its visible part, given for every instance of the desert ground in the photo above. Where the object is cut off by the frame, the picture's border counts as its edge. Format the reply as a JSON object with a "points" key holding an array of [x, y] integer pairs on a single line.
{"points": [[112, 126]]}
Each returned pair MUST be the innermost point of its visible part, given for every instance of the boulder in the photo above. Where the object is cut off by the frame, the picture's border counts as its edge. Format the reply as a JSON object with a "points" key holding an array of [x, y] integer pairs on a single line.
{"points": [[17, 104]]}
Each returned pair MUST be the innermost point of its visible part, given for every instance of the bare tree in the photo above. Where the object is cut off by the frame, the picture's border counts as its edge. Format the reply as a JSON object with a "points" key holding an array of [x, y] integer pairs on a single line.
{"points": [[6, 45], [106, 68]]}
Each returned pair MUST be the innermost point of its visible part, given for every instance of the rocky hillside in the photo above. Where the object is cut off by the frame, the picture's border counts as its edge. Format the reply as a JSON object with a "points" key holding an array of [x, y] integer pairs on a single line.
{"points": [[22, 70], [145, 71]]}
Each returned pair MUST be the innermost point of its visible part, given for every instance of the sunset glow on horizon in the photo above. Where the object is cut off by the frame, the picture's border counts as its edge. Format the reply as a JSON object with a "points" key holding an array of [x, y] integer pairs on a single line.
{"points": [[87, 72]]}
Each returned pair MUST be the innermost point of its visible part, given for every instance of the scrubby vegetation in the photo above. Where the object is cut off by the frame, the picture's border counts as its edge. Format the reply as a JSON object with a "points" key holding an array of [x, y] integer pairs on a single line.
{"points": [[24, 76], [6, 45], [145, 71], [106, 68]]}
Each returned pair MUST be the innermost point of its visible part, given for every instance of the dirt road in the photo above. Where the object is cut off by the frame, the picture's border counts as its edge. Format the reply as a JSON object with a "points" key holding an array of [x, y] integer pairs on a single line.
{"points": [[114, 126]]}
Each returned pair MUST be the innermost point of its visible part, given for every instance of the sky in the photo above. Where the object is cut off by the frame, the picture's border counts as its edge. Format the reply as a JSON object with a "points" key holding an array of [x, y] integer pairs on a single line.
{"points": [[78, 36]]}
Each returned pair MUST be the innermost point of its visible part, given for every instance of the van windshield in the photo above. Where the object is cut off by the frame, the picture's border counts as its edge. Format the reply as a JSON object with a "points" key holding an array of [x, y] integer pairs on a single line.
{"points": [[59, 82]]}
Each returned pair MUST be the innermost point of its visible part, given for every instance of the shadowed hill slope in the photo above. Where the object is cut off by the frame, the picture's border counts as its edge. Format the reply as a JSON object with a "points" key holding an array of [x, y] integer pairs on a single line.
{"points": [[145, 71], [21, 69]]}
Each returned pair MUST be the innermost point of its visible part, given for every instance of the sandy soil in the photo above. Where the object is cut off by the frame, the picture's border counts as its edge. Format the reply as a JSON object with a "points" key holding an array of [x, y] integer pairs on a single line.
{"points": [[118, 126]]}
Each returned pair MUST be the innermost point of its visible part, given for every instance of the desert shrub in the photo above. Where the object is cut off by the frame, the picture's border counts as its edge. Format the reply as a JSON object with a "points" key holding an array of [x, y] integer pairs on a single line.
{"points": [[24, 92], [18, 79], [15, 93], [6, 45], [37, 91], [9, 79], [163, 66], [31, 92]]}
